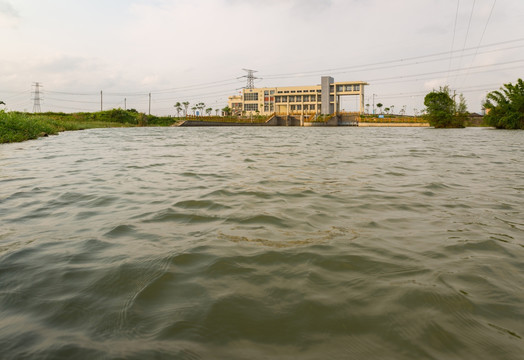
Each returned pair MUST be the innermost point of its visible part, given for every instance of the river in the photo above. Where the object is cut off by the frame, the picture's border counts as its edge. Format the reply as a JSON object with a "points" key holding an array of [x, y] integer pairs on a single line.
{"points": [[263, 243]]}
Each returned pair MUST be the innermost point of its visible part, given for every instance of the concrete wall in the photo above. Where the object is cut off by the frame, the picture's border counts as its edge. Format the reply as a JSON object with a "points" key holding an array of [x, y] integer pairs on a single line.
{"points": [[326, 106], [216, 123]]}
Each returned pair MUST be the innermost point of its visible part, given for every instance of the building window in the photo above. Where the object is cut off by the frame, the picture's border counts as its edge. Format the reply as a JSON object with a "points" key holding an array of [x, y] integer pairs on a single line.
{"points": [[299, 107], [251, 97], [284, 98], [250, 107], [356, 87], [305, 98], [312, 107], [340, 88], [299, 91], [292, 91], [293, 107], [349, 88], [291, 99], [266, 108], [286, 92], [272, 92], [266, 92]]}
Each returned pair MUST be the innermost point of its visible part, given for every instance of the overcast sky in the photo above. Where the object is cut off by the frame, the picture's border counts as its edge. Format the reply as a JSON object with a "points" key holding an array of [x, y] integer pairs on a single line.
{"points": [[195, 50]]}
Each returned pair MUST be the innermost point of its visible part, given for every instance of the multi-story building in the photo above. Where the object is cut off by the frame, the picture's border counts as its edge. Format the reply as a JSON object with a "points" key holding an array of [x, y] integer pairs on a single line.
{"points": [[297, 100]]}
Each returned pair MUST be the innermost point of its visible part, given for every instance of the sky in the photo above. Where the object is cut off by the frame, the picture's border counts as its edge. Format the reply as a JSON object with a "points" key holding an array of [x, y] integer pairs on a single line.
{"points": [[92, 54]]}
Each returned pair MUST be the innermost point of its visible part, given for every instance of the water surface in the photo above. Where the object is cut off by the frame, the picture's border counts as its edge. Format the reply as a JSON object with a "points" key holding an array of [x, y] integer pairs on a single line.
{"points": [[235, 243]]}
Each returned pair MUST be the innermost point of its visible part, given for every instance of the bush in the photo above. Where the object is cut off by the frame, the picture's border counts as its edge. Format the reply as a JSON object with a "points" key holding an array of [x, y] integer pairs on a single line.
{"points": [[443, 111], [506, 107]]}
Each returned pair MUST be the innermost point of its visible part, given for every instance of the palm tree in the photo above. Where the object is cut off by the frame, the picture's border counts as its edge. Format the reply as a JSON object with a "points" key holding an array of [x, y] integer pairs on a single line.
{"points": [[216, 111], [2, 103], [186, 105], [178, 108], [386, 110], [392, 109], [505, 107], [200, 106], [379, 105], [194, 108], [208, 111], [367, 108], [227, 110]]}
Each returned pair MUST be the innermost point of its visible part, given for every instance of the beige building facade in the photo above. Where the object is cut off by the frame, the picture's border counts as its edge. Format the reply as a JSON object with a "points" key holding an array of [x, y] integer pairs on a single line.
{"points": [[297, 100]]}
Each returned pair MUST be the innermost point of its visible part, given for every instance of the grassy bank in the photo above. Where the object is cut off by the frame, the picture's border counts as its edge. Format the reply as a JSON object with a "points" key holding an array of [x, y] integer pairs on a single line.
{"points": [[17, 126]]}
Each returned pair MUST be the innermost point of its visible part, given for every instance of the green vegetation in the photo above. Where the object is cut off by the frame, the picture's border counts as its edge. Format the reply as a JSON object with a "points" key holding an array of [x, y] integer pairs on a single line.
{"points": [[443, 111], [226, 110], [17, 126], [505, 108]]}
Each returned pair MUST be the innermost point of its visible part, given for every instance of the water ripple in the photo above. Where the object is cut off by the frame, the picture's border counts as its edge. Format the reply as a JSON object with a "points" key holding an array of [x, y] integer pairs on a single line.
{"points": [[263, 243]]}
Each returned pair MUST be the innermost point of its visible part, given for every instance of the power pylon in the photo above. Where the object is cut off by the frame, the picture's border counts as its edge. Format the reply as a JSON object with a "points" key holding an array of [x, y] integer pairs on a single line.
{"points": [[250, 78], [36, 98]]}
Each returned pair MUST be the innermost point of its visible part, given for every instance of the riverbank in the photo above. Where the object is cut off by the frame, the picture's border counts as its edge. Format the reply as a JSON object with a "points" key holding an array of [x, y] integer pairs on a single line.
{"points": [[18, 126], [392, 124]]}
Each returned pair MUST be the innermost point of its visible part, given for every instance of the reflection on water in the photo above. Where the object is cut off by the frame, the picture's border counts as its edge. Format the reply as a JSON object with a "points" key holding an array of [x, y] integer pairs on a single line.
{"points": [[256, 243]]}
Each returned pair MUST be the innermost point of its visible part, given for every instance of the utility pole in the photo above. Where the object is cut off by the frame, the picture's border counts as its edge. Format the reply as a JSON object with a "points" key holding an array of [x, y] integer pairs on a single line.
{"points": [[149, 103], [250, 78], [37, 98], [125, 103], [101, 101]]}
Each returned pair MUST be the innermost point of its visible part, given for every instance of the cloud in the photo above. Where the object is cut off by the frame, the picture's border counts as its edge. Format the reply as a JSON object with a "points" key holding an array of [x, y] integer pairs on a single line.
{"points": [[9, 16], [435, 83], [67, 63]]}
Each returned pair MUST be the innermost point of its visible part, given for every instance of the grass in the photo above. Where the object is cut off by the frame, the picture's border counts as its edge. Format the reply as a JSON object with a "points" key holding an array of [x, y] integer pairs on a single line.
{"points": [[17, 126]]}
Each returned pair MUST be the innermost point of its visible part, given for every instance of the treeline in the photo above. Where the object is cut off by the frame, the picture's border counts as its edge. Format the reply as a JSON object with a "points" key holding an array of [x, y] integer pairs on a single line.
{"points": [[19, 126], [504, 108], [120, 116]]}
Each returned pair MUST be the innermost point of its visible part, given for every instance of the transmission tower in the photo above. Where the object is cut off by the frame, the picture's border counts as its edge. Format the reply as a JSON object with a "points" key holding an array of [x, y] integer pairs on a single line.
{"points": [[36, 98], [250, 78]]}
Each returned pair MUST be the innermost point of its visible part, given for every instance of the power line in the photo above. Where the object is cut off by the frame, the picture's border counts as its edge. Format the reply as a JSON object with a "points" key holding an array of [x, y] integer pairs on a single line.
{"points": [[250, 78], [36, 98], [481, 38], [353, 67], [454, 32], [454, 70], [467, 33]]}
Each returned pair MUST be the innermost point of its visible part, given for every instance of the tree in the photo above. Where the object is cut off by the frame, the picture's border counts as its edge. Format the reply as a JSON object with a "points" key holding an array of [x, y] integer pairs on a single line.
{"points": [[216, 111], [442, 110], [208, 111], [392, 107], [200, 106], [386, 110], [178, 108], [186, 105], [505, 108], [227, 110], [194, 108], [2, 103], [379, 105], [367, 108]]}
